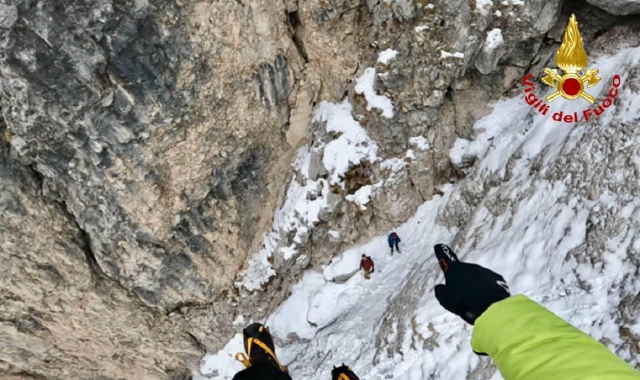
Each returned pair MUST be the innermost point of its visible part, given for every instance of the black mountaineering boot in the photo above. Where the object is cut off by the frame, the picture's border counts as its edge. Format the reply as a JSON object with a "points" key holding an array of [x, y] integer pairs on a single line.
{"points": [[258, 344], [343, 373], [259, 348]]}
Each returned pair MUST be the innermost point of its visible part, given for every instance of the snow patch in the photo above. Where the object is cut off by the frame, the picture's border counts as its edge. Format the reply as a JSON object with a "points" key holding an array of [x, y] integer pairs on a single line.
{"points": [[365, 86], [239, 321], [630, 112], [259, 269], [352, 146], [18, 143], [361, 197], [289, 252], [386, 55], [410, 154], [494, 40], [420, 142], [445, 54], [484, 6], [222, 365], [394, 164]]}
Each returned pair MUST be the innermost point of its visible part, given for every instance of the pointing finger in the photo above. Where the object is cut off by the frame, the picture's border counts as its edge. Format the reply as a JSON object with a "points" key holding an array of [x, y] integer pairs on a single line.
{"points": [[445, 256]]}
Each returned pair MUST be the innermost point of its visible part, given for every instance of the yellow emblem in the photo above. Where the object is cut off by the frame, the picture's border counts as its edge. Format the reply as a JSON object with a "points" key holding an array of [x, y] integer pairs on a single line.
{"points": [[572, 58]]}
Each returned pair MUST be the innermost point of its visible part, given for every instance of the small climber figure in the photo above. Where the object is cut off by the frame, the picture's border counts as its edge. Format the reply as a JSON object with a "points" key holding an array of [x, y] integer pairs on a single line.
{"points": [[366, 264], [393, 240]]}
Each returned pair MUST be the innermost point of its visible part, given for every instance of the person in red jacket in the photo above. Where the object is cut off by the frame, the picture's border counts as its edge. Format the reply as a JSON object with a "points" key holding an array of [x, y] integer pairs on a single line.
{"points": [[367, 265]]}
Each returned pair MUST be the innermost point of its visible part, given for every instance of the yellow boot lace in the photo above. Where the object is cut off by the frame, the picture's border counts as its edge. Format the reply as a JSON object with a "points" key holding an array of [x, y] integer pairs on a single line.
{"points": [[242, 358]]}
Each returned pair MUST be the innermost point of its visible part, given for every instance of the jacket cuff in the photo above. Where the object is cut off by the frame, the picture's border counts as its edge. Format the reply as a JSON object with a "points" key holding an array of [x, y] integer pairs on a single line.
{"points": [[490, 328]]}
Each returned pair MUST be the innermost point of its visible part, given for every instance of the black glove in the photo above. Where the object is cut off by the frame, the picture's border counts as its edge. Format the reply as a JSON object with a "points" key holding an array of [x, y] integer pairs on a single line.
{"points": [[372, 270], [470, 289]]}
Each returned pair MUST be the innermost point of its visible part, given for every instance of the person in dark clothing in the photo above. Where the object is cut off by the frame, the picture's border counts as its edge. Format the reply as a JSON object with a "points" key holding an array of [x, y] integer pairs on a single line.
{"points": [[367, 265], [343, 373], [393, 240], [260, 359]]}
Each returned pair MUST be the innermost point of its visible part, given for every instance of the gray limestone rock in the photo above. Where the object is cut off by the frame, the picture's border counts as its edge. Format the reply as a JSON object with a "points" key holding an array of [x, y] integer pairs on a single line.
{"points": [[491, 52], [60, 313], [8, 16], [618, 7]]}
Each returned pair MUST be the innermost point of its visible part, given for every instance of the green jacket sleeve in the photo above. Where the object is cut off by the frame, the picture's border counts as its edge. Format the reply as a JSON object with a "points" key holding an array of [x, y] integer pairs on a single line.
{"points": [[528, 342]]}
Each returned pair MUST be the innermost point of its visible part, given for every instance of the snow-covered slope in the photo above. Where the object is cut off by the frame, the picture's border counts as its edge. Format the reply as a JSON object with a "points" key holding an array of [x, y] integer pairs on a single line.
{"points": [[554, 207]]}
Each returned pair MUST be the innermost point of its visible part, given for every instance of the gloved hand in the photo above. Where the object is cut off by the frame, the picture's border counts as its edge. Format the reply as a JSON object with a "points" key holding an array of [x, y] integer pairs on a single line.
{"points": [[470, 289], [372, 270]]}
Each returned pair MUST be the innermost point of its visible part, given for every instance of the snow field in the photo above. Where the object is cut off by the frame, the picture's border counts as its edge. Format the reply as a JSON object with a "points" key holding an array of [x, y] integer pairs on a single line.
{"points": [[525, 228]]}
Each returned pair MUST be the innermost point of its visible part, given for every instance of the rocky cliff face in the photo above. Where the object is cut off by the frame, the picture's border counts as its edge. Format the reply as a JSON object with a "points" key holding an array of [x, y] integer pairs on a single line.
{"points": [[160, 134], [148, 145], [62, 316], [136, 128]]}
